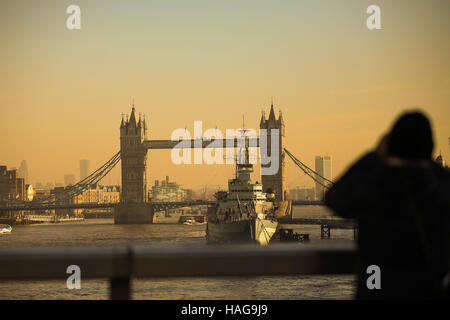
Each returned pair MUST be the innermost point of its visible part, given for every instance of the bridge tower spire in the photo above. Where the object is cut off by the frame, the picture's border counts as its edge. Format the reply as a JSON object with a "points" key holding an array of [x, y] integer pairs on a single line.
{"points": [[276, 182]]}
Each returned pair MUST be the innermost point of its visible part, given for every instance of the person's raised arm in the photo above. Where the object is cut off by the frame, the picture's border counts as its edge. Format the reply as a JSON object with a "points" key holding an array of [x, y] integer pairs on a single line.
{"points": [[358, 189]]}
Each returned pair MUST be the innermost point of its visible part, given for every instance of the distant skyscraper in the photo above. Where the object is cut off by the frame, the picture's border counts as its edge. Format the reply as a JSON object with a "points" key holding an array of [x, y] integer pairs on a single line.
{"points": [[84, 169], [327, 168], [319, 169], [69, 179], [23, 171], [323, 168]]}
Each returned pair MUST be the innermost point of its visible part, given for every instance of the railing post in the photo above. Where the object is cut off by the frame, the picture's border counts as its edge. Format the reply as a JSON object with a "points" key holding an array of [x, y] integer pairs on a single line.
{"points": [[120, 285], [120, 288]]}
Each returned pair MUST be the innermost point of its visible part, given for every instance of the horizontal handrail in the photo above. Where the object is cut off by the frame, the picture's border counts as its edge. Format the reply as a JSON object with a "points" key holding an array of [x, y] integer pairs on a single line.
{"points": [[42, 263]]}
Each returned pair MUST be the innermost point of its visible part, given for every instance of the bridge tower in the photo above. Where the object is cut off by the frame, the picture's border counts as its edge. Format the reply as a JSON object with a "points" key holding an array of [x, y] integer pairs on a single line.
{"points": [[134, 157], [133, 207], [274, 182]]}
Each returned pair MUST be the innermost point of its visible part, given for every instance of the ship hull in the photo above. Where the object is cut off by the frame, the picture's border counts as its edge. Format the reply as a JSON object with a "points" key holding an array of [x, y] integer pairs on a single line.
{"points": [[243, 231]]}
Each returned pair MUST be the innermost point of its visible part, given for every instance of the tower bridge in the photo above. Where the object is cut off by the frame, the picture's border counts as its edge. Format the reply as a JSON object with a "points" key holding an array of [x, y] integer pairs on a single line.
{"points": [[134, 145], [134, 206]]}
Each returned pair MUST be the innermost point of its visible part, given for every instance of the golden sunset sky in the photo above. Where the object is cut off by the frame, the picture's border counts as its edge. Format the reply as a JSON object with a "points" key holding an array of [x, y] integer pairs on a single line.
{"points": [[339, 85]]}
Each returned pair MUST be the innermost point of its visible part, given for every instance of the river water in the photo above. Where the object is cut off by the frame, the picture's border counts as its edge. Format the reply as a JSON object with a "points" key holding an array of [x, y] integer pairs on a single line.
{"points": [[103, 232]]}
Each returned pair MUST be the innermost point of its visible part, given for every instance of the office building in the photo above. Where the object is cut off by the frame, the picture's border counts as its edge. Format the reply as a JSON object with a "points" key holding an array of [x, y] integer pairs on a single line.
{"points": [[84, 168], [23, 171], [166, 190], [11, 187], [323, 168]]}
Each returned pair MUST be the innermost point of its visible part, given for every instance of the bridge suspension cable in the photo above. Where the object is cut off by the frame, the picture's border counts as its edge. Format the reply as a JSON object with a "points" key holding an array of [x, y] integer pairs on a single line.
{"points": [[102, 171], [76, 189], [310, 172], [93, 178]]}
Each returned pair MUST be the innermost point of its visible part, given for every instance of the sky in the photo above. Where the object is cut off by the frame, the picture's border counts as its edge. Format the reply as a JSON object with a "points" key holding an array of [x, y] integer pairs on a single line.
{"points": [[339, 85]]}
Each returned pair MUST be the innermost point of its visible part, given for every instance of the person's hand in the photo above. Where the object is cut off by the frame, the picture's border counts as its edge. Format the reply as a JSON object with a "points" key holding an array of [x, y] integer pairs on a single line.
{"points": [[382, 148]]}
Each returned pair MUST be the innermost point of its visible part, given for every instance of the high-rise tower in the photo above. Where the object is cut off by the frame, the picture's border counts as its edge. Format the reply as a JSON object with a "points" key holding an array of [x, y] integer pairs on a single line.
{"points": [[84, 169], [323, 168], [23, 171], [276, 181]]}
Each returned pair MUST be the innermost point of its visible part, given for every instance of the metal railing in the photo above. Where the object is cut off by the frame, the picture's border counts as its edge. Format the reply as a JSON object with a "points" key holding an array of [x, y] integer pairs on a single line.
{"points": [[121, 264]]}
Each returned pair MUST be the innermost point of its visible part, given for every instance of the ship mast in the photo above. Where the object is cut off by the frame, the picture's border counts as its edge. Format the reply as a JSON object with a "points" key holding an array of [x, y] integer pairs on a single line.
{"points": [[243, 166], [244, 149]]}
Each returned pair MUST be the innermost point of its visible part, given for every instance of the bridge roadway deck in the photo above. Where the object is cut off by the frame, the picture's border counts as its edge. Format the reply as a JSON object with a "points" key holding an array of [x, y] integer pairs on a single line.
{"points": [[157, 205], [32, 206], [200, 143]]}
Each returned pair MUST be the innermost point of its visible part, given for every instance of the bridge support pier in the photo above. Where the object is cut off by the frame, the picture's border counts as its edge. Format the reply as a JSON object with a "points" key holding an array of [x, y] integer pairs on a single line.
{"points": [[133, 213]]}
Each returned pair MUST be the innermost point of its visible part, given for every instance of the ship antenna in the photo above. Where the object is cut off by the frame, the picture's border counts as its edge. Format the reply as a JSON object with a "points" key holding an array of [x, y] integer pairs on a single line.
{"points": [[246, 155]]}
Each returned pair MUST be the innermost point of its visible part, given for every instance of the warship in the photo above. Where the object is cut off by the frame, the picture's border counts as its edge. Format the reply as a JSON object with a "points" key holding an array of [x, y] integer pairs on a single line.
{"points": [[244, 213]]}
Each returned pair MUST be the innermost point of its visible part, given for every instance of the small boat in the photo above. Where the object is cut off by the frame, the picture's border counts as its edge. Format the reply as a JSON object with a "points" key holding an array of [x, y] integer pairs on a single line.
{"points": [[189, 221], [5, 228], [192, 220]]}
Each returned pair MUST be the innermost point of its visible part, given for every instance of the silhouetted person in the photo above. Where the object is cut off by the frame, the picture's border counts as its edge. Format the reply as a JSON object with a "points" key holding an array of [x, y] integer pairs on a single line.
{"points": [[401, 201]]}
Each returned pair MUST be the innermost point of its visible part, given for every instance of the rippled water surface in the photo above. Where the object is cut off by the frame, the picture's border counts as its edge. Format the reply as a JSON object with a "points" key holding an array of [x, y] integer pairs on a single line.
{"points": [[103, 232]]}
